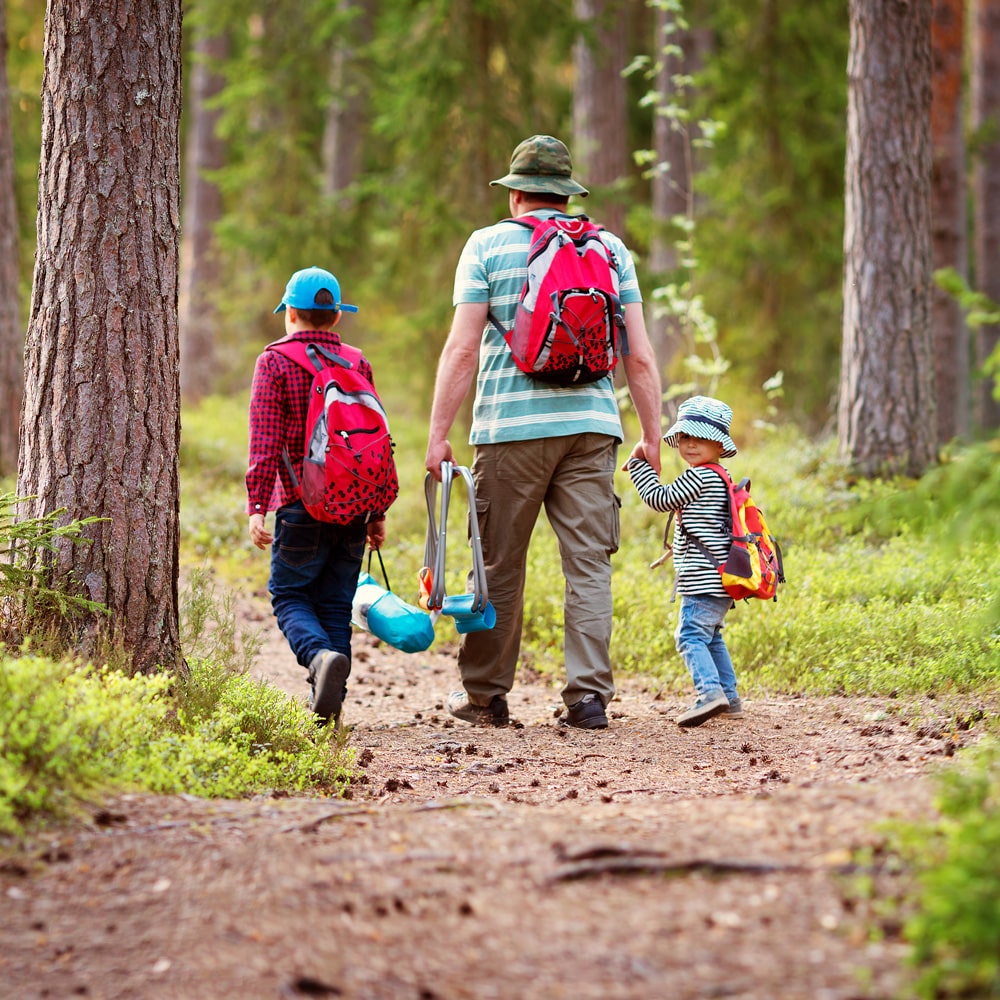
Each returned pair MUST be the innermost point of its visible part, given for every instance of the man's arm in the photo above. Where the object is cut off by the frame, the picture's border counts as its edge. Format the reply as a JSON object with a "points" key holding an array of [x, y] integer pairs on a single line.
{"points": [[643, 375], [456, 371]]}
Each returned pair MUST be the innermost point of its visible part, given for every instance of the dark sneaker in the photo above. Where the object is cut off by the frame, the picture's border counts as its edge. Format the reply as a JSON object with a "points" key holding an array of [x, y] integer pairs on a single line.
{"points": [[735, 710], [327, 674], [495, 713], [587, 713], [703, 709]]}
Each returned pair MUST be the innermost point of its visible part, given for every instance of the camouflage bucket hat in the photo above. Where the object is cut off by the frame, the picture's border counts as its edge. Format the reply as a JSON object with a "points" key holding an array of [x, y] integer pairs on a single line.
{"points": [[541, 164]]}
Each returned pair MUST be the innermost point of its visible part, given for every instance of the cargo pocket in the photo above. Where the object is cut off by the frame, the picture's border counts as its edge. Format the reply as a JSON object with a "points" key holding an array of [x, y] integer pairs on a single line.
{"points": [[615, 535]]}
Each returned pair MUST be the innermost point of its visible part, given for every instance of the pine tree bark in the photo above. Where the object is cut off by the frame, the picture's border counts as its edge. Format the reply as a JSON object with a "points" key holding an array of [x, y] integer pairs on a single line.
{"points": [[600, 111], [948, 217], [886, 417], [986, 187], [102, 415], [202, 205], [11, 330]]}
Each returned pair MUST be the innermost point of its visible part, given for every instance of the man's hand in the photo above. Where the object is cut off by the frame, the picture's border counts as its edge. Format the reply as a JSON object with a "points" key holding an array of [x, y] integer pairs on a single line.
{"points": [[438, 452], [648, 451], [259, 535]]}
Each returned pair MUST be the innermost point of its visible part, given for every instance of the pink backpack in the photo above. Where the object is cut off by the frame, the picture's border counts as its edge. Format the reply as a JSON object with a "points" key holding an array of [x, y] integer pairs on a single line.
{"points": [[569, 328], [348, 472]]}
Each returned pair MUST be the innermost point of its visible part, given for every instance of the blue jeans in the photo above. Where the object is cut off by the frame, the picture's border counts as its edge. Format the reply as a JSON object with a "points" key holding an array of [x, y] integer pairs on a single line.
{"points": [[700, 643], [314, 576]]}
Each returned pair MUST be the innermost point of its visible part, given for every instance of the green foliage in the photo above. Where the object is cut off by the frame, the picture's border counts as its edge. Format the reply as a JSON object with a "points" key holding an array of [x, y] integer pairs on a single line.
{"points": [[213, 462], [68, 732], [954, 922], [27, 602], [980, 310], [772, 192], [692, 324], [210, 629], [25, 29]]}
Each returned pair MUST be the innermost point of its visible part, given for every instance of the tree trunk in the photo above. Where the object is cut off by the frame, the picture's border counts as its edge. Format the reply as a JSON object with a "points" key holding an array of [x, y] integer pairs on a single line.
{"points": [[200, 270], [102, 414], [986, 186], [951, 339], [600, 109], [347, 113], [672, 184], [11, 331], [886, 417]]}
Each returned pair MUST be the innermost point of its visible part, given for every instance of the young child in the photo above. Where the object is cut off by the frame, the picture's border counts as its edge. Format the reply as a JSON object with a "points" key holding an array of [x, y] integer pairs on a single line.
{"points": [[314, 565], [700, 497]]}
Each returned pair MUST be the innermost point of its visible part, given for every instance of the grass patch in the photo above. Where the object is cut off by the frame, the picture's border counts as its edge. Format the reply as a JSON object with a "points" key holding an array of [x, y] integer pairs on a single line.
{"points": [[69, 732]]}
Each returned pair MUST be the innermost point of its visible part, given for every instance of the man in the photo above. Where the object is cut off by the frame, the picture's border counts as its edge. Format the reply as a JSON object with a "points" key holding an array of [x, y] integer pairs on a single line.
{"points": [[537, 444]]}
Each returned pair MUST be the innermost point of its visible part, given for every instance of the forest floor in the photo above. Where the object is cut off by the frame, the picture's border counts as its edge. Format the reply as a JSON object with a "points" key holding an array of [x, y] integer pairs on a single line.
{"points": [[644, 861]]}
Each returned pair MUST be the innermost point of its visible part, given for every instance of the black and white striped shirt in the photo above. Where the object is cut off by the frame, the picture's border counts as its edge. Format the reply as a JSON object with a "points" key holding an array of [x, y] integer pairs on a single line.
{"points": [[701, 498]]}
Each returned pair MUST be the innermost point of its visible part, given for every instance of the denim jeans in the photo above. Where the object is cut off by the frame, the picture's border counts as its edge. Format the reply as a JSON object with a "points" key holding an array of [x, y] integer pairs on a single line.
{"points": [[314, 576], [700, 643]]}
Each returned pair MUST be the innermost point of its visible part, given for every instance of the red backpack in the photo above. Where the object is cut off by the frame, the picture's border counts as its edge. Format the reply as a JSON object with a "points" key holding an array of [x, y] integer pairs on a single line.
{"points": [[753, 567], [348, 472], [569, 327]]}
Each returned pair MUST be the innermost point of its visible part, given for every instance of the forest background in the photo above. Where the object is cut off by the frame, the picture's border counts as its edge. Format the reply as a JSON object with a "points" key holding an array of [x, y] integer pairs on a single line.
{"points": [[361, 136]]}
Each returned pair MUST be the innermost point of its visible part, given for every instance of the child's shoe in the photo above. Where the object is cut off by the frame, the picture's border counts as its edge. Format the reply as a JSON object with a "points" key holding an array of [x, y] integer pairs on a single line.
{"points": [[735, 710], [707, 706]]}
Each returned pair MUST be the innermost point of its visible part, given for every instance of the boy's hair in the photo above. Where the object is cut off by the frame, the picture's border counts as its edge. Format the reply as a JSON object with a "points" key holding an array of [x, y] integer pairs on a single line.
{"points": [[321, 319]]}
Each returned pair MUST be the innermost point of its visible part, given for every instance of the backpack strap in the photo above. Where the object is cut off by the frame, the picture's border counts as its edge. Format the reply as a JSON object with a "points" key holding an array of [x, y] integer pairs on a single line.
{"points": [[733, 516], [312, 356]]}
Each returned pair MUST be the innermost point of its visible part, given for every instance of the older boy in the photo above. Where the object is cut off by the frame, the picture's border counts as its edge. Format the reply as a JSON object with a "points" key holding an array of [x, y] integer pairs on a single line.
{"points": [[314, 565]]}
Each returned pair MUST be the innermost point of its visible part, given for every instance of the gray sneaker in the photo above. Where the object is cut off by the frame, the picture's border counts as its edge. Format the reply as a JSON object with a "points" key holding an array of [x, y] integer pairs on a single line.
{"points": [[328, 674], [495, 713], [703, 709], [735, 710]]}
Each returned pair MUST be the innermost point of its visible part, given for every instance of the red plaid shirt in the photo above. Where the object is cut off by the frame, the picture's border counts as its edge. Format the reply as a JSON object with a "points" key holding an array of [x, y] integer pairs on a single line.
{"points": [[279, 398]]}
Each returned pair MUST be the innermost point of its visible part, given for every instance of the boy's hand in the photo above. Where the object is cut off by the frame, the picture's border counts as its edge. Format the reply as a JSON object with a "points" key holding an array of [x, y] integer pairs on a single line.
{"points": [[259, 535], [376, 533]]}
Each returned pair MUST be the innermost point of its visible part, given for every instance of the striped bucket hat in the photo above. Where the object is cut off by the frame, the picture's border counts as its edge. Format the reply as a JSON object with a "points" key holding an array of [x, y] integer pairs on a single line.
{"points": [[703, 417]]}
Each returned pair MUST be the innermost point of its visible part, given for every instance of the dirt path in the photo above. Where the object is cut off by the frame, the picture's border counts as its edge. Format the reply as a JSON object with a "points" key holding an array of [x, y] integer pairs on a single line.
{"points": [[642, 862]]}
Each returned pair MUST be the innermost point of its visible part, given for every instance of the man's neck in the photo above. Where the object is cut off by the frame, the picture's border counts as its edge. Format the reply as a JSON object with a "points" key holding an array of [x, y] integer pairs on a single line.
{"points": [[523, 203]]}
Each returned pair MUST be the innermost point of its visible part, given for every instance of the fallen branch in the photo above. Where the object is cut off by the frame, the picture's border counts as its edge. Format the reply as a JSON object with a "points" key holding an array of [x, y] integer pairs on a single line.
{"points": [[313, 825], [651, 865]]}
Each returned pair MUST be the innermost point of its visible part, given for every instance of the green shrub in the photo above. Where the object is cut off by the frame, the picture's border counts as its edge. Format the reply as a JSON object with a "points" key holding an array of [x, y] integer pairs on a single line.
{"points": [[954, 922], [68, 731], [210, 627], [64, 728]]}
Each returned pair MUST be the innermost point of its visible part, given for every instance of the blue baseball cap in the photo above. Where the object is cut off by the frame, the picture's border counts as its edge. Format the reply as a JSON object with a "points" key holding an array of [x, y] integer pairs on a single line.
{"points": [[300, 292]]}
